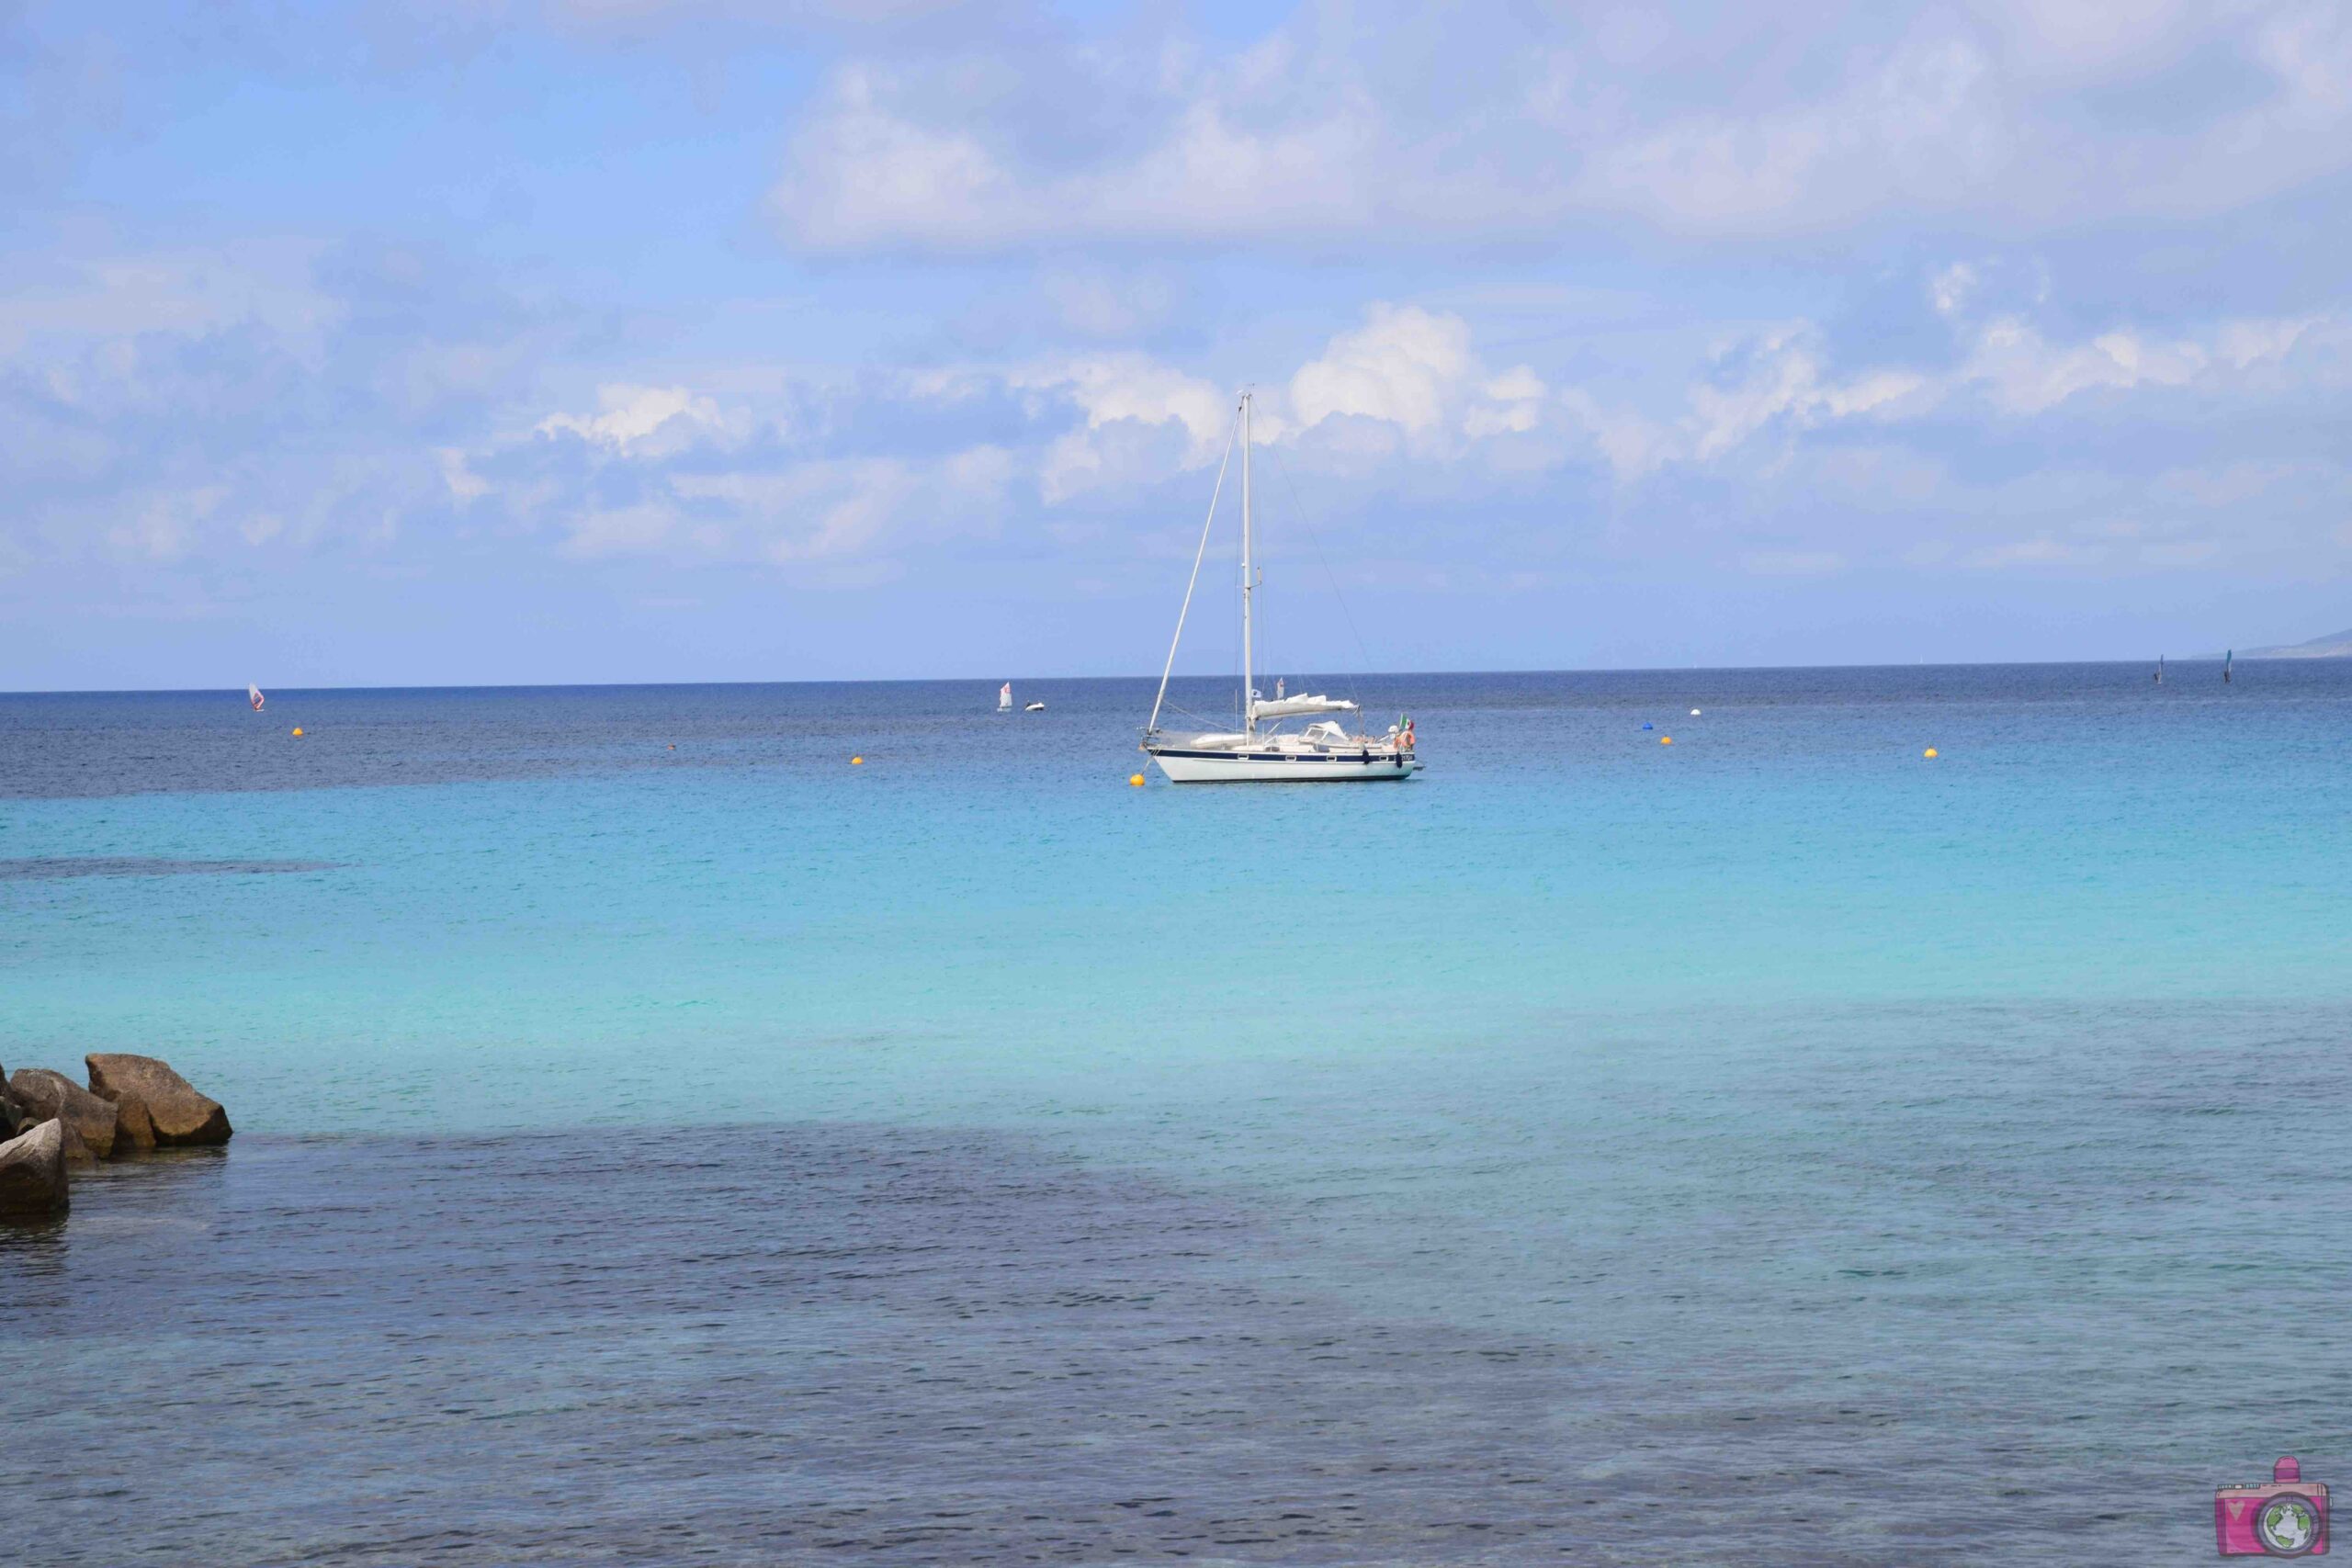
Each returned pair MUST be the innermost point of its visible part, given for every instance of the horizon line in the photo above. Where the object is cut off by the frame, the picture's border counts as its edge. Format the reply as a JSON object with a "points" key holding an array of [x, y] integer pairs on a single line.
{"points": [[983, 679]]}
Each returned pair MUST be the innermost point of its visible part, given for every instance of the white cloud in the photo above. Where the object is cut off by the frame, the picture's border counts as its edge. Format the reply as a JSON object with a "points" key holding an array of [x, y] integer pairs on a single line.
{"points": [[647, 420], [705, 487], [1949, 290], [1127, 400], [464, 483], [2023, 373], [1405, 365], [1409, 134], [1785, 386], [818, 511], [1783, 451]]}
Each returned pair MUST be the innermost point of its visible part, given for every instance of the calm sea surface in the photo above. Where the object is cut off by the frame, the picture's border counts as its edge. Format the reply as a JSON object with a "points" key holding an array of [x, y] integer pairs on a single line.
{"points": [[662, 1140]]}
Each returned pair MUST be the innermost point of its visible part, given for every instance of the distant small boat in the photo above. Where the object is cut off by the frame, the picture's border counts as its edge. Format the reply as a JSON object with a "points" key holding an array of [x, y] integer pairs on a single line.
{"points": [[1004, 698], [1035, 707], [2228, 656], [253, 696], [2160, 669]]}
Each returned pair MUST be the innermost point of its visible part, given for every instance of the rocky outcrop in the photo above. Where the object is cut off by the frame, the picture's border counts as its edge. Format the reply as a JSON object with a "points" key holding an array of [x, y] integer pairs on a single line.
{"points": [[77, 1153], [52, 1094], [134, 1130], [16, 1116], [176, 1111], [32, 1172]]}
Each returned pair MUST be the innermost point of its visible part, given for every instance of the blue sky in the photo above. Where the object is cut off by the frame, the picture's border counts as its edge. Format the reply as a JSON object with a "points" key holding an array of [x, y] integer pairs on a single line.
{"points": [[461, 342]]}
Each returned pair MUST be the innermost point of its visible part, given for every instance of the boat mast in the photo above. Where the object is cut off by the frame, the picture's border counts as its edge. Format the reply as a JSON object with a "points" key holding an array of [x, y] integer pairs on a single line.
{"points": [[1248, 698]]}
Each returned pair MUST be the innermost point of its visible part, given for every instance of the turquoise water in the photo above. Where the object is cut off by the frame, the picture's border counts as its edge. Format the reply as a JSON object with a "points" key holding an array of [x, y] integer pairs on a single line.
{"points": [[1798, 1134]]}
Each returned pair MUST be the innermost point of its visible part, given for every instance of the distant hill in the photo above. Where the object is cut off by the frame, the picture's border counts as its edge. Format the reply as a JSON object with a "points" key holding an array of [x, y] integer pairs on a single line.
{"points": [[2335, 644]]}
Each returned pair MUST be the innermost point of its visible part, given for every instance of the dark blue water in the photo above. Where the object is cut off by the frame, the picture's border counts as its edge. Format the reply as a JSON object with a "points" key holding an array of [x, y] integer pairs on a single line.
{"points": [[1776, 1147]]}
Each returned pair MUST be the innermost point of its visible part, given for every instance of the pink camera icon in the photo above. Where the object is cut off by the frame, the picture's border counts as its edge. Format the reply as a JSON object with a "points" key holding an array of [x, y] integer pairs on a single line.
{"points": [[2287, 1517]]}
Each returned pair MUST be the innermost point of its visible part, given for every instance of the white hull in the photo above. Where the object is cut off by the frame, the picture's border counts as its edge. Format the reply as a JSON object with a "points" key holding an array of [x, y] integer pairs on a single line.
{"points": [[1188, 765]]}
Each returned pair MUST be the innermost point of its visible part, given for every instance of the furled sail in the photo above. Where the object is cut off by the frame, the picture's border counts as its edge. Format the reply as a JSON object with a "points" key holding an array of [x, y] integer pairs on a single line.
{"points": [[1292, 707]]}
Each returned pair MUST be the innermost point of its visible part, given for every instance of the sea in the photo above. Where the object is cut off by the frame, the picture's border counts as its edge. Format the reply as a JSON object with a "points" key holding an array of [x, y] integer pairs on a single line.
{"points": [[813, 1124]]}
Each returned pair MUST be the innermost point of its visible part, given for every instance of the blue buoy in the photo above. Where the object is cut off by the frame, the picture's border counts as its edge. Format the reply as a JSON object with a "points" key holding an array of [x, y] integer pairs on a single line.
{"points": [[1647, 727]]}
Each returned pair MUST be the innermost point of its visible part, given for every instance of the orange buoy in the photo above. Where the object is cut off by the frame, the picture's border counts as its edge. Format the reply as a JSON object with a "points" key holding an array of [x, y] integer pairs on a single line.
{"points": [[298, 730], [857, 761], [1135, 779], [1665, 740], [1929, 753]]}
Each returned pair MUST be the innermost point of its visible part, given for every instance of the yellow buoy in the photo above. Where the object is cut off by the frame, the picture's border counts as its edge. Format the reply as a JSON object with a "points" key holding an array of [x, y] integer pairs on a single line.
{"points": [[298, 730], [1134, 778], [1665, 740], [1929, 752], [857, 761]]}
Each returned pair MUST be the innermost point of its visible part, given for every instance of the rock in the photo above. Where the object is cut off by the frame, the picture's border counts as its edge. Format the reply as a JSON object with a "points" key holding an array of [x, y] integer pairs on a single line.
{"points": [[32, 1171], [178, 1114], [76, 1152], [16, 1116], [134, 1130], [53, 1094]]}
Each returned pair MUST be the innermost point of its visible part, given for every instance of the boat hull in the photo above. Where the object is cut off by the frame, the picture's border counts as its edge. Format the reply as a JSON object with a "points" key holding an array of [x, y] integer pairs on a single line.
{"points": [[1186, 765]]}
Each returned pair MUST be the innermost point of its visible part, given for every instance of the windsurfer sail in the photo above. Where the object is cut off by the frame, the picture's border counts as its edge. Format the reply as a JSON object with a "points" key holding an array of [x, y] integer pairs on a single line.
{"points": [[253, 696]]}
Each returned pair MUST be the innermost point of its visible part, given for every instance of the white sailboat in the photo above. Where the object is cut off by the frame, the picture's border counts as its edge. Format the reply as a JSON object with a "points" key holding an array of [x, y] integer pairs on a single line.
{"points": [[1004, 698], [1261, 750]]}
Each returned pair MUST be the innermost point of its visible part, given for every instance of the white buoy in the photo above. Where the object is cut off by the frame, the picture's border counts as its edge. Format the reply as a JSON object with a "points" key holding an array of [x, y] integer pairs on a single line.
{"points": [[1694, 713]]}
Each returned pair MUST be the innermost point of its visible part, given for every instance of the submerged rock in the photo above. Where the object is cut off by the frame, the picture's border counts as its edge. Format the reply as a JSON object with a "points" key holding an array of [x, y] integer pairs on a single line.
{"points": [[32, 1171], [53, 1094], [177, 1112]]}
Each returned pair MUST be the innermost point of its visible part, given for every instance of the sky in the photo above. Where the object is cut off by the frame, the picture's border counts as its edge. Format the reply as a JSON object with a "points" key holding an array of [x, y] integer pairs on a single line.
{"points": [[460, 341]]}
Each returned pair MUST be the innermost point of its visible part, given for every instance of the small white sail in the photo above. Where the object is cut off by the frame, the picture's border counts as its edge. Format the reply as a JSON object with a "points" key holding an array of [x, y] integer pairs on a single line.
{"points": [[253, 696], [1004, 698]]}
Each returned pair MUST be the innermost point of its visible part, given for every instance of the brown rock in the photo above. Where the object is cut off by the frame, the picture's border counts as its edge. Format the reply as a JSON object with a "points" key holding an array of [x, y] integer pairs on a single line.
{"points": [[134, 1130], [178, 1114], [32, 1171], [53, 1094], [73, 1150]]}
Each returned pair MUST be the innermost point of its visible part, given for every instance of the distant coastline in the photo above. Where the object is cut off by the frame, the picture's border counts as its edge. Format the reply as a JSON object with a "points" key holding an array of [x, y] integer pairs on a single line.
{"points": [[2335, 644]]}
